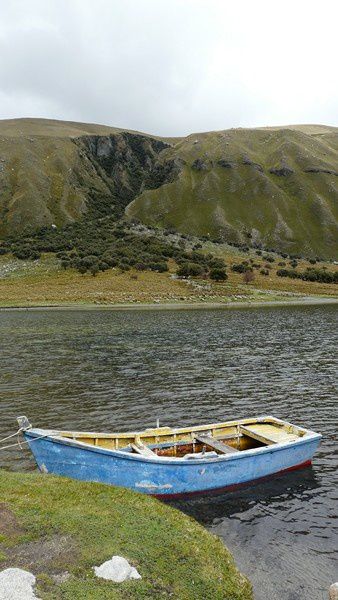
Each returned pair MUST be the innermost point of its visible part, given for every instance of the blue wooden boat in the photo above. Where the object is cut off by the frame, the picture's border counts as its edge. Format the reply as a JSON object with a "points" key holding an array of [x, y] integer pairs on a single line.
{"points": [[167, 462]]}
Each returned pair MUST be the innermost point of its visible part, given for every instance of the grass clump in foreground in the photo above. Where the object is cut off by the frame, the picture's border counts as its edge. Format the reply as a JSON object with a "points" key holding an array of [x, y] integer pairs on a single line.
{"points": [[51, 525]]}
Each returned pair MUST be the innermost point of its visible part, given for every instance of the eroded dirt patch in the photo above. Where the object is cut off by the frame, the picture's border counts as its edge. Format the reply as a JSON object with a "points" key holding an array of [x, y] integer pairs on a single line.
{"points": [[50, 555], [9, 525]]}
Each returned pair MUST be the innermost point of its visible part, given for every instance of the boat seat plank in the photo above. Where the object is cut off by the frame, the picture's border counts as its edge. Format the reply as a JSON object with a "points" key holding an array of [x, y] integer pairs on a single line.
{"points": [[142, 449], [268, 434], [214, 443]]}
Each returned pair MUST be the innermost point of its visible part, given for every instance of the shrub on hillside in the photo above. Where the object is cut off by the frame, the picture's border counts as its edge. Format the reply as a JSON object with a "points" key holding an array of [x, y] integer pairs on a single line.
{"points": [[94, 269], [160, 267], [239, 268], [287, 273], [103, 266], [190, 270], [216, 263], [320, 275], [140, 266], [65, 264], [26, 253], [123, 266], [218, 274], [87, 262], [111, 261]]}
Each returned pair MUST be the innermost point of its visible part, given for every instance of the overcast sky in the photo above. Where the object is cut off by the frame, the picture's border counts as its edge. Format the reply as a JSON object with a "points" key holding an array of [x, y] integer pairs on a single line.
{"points": [[170, 67]]}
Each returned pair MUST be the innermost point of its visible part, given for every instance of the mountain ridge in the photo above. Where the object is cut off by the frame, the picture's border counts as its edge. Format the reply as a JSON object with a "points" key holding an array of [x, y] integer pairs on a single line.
{"points": [[274, 187], [8, 127]]}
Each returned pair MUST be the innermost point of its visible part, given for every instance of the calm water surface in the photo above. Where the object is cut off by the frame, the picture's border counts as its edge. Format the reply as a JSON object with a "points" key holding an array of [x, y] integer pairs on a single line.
{"points": [[121, 370]]}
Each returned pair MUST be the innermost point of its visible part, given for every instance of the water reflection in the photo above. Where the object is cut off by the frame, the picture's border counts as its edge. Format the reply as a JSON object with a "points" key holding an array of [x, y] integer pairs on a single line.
{"points": [[275, 531], [276, 490]]}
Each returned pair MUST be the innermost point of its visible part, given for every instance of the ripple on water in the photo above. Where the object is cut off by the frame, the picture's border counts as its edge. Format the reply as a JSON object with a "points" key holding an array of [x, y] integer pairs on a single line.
{"points": [[122, 370]]}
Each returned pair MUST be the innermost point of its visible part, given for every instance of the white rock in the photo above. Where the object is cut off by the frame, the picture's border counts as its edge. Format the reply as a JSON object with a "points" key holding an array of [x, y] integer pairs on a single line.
{"points": [[117, 569], [333, 591], [16, 584]]}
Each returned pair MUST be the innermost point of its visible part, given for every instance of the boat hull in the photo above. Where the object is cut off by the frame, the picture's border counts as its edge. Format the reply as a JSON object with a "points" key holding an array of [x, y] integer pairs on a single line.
{"points": [[165, 477]]}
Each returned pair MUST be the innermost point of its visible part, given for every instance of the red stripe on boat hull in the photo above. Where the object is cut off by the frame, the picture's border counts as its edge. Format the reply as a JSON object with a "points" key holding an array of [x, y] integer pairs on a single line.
{"points": [[235, 486]]}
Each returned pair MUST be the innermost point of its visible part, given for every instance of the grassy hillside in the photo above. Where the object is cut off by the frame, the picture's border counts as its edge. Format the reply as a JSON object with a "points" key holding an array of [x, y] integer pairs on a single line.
{"points": [[59, 529], [271, 187], [44, 282], [275, 187], [54, 172], [63, 129]]}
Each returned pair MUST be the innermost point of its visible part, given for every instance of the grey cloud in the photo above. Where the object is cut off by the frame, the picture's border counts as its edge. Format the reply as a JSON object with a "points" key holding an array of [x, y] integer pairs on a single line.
{"points": [[168, 66]]}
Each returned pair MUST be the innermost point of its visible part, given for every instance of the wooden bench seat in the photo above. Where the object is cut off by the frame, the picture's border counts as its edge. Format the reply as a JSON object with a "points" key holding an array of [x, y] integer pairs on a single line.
{"points": [[267, 434], [215, 444], [142, 449]]}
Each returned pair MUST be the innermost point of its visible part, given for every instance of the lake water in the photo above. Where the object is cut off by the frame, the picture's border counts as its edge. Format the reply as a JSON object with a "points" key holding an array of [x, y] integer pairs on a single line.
{"points": [[108, 370]]}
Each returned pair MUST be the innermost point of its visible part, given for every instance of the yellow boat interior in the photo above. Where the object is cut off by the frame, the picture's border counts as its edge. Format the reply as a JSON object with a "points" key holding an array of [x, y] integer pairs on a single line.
{"points": [[192, 442]]}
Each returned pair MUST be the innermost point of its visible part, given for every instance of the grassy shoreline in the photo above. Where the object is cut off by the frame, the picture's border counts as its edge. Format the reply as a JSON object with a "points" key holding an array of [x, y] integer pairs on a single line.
{"points": [[305, 301], [43, 283], [59, 529]]}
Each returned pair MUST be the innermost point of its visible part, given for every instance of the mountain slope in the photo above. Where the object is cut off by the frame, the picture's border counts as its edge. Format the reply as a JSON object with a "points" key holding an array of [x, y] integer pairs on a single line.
{"points": [[53, 172], [275, 187]]}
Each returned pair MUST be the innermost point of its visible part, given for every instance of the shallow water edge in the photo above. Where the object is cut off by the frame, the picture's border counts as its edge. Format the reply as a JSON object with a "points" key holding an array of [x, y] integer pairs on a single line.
{"points": [[303, 301]]}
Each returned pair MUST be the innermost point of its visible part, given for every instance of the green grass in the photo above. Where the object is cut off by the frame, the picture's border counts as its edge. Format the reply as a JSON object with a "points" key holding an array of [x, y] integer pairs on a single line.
{"points": [[44, 283], [60, 129], [50, 173], [295, 213], [51, 525]]}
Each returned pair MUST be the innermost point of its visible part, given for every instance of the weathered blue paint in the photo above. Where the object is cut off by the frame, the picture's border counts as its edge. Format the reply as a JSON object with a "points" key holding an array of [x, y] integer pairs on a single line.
{"points": [[162, 476]]}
